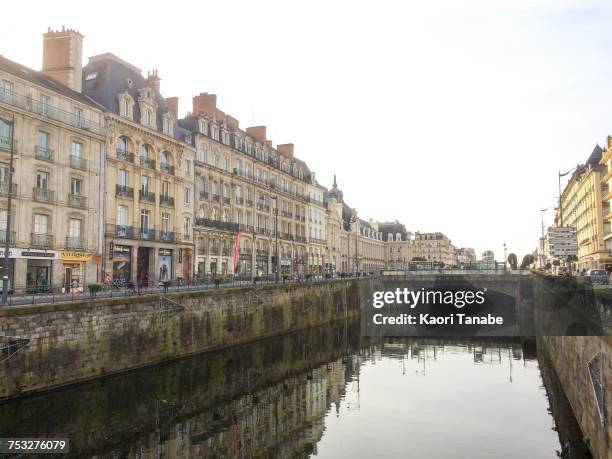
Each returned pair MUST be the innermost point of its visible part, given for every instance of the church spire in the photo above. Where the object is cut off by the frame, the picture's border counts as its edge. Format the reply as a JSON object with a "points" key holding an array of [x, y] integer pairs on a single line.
{"points": [[335, 184]]}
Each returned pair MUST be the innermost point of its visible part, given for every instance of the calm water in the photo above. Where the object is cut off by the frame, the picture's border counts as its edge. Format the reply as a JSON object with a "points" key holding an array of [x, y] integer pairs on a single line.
{"points": [[323, 393]]}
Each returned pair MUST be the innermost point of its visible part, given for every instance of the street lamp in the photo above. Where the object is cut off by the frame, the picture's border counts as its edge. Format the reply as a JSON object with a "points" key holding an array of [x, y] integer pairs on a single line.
{"points": [[352, 221], [7, 236], [505, 257]]}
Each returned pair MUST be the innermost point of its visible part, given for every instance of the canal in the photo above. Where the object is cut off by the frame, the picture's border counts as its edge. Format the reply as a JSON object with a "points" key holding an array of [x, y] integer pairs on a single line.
{"points": [[325, 392]]}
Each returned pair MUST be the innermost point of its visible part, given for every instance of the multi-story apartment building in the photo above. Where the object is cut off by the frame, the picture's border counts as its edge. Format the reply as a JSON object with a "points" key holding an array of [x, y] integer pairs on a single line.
{"points": [[246, 185], [317, 225], [361, 246], [434, 247], [57, 137], [582, 208], [398, 244], [334, 259], [606, 186], [465, 256], [148, 174]]}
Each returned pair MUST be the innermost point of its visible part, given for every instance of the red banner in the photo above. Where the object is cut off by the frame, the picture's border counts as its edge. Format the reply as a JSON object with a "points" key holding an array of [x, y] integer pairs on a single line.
{"points": [[236, 251]]}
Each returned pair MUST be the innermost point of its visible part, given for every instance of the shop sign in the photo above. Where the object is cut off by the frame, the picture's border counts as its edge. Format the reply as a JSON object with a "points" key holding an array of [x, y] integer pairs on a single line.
{"points": [[33, 254], [72, 255], [285, 262]]}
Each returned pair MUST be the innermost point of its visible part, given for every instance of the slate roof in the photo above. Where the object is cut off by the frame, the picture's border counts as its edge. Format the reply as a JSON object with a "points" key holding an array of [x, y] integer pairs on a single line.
{"points": [[106, 76], [39, 78]]}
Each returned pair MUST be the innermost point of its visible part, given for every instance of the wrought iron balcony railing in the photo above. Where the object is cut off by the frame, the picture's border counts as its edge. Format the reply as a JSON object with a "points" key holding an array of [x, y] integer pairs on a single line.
{"points": [[77, 200], [27, 103], [146, 196], [167, 168], [166, 235], [43, 195], [125, 155], [75, 242], [42, 240], [78, 162], [203, 194], [209, 223], [43, 153], [147, 233], [4, 189], [4, 234], [166, 200], [124, 231], [147, 162], [124, 191]]}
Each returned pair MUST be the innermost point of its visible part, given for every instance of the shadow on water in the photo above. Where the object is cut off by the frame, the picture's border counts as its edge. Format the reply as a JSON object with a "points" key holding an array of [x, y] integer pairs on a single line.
{"points": [[270, 398]]}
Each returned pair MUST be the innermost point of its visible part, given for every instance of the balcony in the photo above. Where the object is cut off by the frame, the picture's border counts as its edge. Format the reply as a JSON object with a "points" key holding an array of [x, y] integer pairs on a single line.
{"points": [[123, 191], [4, 189], [43, 195], [125, 155], [78, 162], [146, 196], [208, 223], [246, 253], [166, 168], [122, 231], [146, 162], [239, 201], [147, 233], [249, 203], [300, 238], [186, 237], [27, 103], [263, 207], [78, 201], [75, 243], [42, 240], [314, 240], [215, 197], [262, 253], [43, 153], [166, 200], [226, 200], [3, 236], [204, 195], [166, 236], [284, 213]]}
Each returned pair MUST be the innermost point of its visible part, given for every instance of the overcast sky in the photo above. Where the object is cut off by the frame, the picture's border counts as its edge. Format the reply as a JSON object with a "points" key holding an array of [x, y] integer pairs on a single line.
{"points": [[448, 116]]}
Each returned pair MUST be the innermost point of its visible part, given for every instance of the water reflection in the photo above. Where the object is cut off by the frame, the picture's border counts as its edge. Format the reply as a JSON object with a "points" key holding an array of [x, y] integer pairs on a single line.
{"points": [[324, 392]]}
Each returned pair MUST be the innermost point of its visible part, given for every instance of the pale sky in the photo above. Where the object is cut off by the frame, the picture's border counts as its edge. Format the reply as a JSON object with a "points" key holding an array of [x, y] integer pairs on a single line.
{"points": [[448, 116]]}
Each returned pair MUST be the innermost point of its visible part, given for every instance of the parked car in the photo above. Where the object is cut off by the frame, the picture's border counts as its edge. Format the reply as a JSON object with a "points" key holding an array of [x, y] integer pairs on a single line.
{"points": [[597, 276]]}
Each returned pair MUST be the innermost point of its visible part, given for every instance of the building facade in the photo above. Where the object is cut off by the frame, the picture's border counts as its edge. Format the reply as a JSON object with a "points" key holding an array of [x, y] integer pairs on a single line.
{"points": [[435, 247], [582, 208], [148, 175], [57, 138], [398, 245], [465, 256]]}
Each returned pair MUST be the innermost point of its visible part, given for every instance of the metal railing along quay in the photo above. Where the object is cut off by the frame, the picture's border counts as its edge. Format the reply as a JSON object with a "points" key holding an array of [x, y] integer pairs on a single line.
{"points": [[44, 294]]}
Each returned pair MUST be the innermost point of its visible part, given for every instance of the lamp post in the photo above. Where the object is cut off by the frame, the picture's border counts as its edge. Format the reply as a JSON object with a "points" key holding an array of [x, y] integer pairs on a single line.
{"points": [[352, 221], [505, 257], [542, 245], [7, 236]]}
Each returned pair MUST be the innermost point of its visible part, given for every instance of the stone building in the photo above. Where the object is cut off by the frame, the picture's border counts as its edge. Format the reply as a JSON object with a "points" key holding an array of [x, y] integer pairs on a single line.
{"points": [[148, 175], [398, 244], [246, 186], [606, 192], [57, 136], [465, 256], [582, 207], [434, 247], [317, 225]]}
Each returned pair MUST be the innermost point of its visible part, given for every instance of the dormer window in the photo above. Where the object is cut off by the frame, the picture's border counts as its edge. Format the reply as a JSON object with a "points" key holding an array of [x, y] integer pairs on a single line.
{"points": [[168, 125], [214, 132], [202, 126], [148, 108], [126, 105]]}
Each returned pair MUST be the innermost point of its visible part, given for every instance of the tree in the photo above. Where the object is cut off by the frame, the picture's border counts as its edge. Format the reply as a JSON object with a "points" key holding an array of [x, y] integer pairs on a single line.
{"points": [[548, 266], [418, 259], [527, 260], [513, 260], [556, 263]]}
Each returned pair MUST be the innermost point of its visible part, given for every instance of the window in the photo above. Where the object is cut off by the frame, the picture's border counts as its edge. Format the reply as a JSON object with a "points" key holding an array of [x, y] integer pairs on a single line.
{"points": [[238, 166], [226, 193], [122, 215], [187, 195], [41, 223], [187, 167], [215, 188], [203, 154], [3, 220], [43, 142], [148, 117], [5, 134], [226, 163], [165, 222], [122, 146], [77, 149], [74, 228], [202, 184], [144, 152], [186, 227], [42, 180], [238, 192], [125, 107], [78, 113], [76, 186], [165, 189], [4, 176], [44, 105], [144, 184], [123, 178], [202, 126], [144, 219], [6, 91]]}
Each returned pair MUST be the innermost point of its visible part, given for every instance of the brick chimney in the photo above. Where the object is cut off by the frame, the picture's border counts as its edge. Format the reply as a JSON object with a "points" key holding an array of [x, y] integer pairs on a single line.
{"points": [[173, 106], [258, 133], [232, 123], [63, 57], [153, 80], [205, 104], [286, 150]]}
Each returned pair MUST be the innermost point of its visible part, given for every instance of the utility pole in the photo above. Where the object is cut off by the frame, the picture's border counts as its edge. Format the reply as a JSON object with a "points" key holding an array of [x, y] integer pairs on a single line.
{"points": [[7, 236]]}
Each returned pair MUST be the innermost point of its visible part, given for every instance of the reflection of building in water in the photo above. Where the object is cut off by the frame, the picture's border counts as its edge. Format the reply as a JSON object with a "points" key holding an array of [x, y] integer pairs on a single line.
{"points": [[284, 420]]}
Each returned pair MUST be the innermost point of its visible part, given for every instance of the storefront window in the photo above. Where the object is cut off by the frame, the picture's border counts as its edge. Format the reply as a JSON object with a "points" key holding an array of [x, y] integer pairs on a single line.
{"points": [[122, 262], [164, 264]]}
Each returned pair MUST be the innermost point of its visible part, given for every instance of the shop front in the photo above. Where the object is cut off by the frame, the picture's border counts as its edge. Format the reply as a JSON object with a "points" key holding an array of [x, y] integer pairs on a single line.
{"points": [[122, 262], [285, 267], [187, 259], [164, 265], [74, 270], [201, 267], [143, 266]]}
